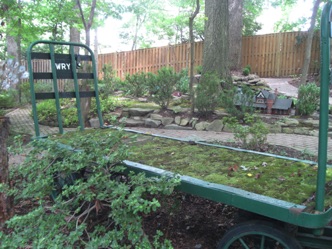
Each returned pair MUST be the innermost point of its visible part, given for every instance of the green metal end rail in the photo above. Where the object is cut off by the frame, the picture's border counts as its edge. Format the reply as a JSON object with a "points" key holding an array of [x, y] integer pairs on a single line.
{"points": [[326, 34], [56, 73]]}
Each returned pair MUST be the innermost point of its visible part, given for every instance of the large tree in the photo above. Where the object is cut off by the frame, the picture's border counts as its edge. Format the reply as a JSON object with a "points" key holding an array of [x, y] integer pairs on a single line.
{"points": [[235, 33], [307, 55], [216, 44]]}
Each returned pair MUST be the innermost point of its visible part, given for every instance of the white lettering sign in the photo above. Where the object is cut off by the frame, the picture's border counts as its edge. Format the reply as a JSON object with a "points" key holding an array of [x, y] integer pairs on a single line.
{"points": [[62, 66]]}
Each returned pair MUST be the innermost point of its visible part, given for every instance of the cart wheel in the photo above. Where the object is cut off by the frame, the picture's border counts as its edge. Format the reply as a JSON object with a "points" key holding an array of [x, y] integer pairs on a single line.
{"points": [[257, 235]]}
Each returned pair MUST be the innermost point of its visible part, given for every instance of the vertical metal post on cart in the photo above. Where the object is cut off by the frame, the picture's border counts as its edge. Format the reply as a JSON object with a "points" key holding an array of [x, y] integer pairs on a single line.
{"points": [[324, 105], [54, 75]]}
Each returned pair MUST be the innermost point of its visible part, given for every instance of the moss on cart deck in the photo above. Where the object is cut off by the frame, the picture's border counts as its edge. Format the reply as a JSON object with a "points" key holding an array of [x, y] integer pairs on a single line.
{"points": [[283, 179]]}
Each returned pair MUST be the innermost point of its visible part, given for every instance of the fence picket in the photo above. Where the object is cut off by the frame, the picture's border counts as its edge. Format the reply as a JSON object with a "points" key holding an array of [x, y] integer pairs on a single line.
{"points": [[271, 55]]}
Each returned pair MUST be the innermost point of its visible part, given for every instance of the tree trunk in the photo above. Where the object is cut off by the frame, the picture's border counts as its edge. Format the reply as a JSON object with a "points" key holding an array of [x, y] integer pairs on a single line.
{"points": [[216, 44], [86, 102], [6, 202], [235, 33], [307, 55], [192, 57]]}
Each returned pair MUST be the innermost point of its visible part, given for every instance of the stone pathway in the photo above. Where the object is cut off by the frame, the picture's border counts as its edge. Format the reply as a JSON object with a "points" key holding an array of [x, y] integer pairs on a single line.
{"points": [[284, 87]]}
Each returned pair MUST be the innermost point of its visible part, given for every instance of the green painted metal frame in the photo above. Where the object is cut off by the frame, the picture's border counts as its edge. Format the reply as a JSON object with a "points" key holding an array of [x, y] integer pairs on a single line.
{"points": [[324, 104], [54, 77], [263, 205]]}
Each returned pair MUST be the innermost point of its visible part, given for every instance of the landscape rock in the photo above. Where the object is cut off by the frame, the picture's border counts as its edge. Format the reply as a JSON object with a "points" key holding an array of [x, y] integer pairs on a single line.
{"points": [[236, 78], [139, 111], [177, 120], [125, 114], [291, 122], [94, 123], [287, 130], [129, 122], [137, 118], [184, 121], [156, 116], [217, 125], [201, 126], [177, 127], [193, 122], [302, 130], [221, 113], [253, 81], [152, 123], [167, 120], [309, 122]]}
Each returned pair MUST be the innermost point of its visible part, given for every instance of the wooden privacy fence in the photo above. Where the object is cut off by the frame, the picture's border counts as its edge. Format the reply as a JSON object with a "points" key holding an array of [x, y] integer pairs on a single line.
{"points": [[271, 55]]}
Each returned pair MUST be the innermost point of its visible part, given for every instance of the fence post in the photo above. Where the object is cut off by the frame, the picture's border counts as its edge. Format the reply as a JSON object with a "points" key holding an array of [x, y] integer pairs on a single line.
{"points": [[278, 54], [6, 202]]}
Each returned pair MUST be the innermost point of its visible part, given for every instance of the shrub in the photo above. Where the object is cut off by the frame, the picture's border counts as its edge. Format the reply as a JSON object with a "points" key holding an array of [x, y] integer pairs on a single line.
{"points": [[136, 84], [308, 100], [109, 82], [47, 114], [107, 104], [208, 94], [199, 69], [183, 82], [94, 206], [243, 96], [7, 99], [246, 71], [162, 85], [252, 135]]}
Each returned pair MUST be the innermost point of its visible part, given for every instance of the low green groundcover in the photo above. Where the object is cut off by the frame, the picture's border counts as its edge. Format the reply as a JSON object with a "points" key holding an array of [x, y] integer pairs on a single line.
{"points": [[283, 179]]}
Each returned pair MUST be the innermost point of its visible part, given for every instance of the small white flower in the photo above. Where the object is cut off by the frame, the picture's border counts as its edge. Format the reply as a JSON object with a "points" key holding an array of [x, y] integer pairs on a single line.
{"points": [[25, 75]]}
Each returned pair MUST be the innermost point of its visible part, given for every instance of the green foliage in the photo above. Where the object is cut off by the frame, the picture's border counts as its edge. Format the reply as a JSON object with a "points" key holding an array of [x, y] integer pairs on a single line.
{"points": [[143, 13], [243, 96], [308, 99], [199, 69], [54, 19], [101, 208], [7, 98], [246, 71], [39, 87], [162, 85], [252, 135], [46, 112], [109, 82], [208, 94], [183, 83], [107, 104], [251, 11], [136, 84]]}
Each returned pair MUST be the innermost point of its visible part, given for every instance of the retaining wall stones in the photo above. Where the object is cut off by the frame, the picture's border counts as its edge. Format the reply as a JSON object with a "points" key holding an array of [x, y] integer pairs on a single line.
{"points": [[133, 117]]}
